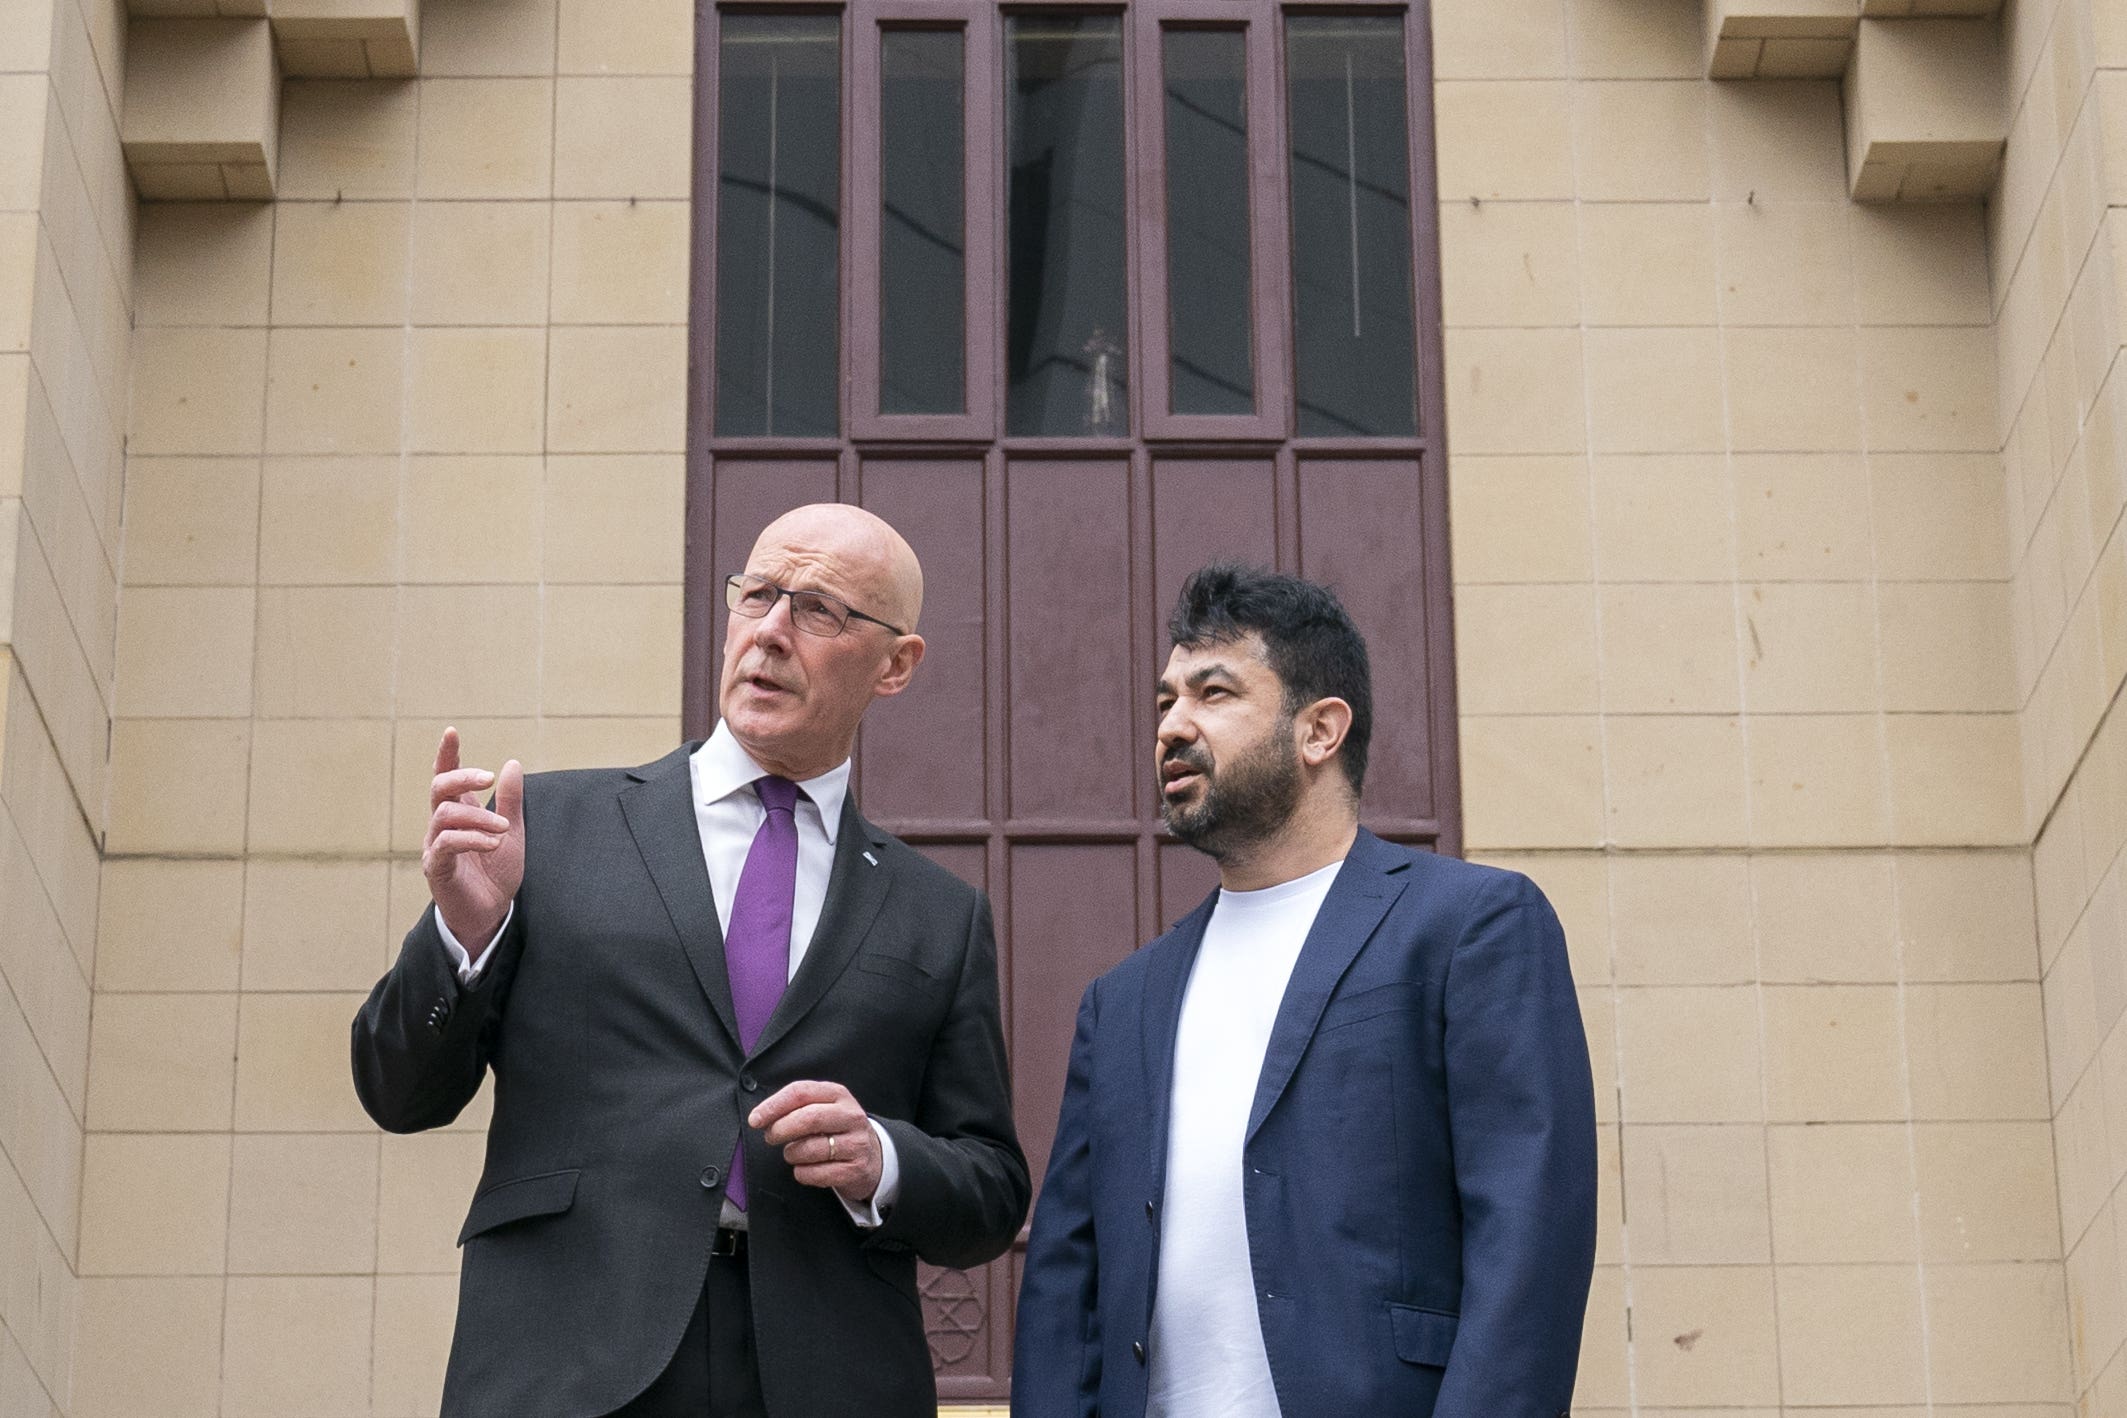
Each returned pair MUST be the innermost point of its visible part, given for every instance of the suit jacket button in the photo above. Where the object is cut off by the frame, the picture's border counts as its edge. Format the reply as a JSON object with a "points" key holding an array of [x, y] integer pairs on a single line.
{"points": [[1137, 1347], [1148, 1211], [711, 1176], [748, 1082]]}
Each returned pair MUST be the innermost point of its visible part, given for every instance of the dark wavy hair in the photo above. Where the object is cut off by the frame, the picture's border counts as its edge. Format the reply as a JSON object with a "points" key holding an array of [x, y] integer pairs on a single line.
{"points": [[1308, 639]]}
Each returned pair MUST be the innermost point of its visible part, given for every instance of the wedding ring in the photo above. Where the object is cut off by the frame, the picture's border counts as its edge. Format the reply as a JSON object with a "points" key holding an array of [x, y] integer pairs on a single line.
{"points": [[830, 1147]]}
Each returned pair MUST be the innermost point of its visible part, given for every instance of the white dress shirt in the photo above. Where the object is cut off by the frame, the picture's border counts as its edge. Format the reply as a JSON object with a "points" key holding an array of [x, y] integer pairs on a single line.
{"points": [[1208, 1359], [727, 813]]}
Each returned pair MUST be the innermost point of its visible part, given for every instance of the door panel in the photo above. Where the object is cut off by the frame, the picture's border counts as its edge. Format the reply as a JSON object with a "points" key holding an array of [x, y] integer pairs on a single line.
{"points": [[1074, 914], [1363, 534], [1069, 698], [1205, 510], [924, 751]]}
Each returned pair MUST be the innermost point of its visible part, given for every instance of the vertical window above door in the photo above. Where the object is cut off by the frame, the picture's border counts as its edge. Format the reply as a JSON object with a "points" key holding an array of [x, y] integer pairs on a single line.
{"points": [[922, 309], [778, 226], [1210, 286], [922, 232], [1067, 343], [1353, 324], [1211, 256]]}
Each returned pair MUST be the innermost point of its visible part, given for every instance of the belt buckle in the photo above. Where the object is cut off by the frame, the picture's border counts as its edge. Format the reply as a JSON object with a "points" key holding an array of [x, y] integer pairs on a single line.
{"points": [[728, 1244]]}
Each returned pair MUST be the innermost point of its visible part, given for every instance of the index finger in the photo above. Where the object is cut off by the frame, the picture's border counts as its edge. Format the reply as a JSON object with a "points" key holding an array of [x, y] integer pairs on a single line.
{"points": [[791, 1097], [459, 785], [447, 752]]}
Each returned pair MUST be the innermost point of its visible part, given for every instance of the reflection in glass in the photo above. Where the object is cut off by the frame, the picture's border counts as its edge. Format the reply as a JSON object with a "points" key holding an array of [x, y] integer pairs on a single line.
{"points": [[1066, 358], [1351, 226], [1208, 285], [778, 222], [922, 247]]}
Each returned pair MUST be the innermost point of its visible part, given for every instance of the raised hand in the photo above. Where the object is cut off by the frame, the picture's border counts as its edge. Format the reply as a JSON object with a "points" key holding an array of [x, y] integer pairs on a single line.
{"points": [[473, 858]]}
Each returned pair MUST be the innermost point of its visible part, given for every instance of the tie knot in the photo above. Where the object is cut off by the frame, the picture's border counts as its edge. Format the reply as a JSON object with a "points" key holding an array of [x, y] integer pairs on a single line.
{"points": [[777, 794]]}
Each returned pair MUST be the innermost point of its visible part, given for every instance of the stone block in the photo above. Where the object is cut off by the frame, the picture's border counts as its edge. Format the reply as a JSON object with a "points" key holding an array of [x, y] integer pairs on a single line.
{"points": [[202, 109], [1779, 39], [1926, 110], [1930, 9], [348, 39]]}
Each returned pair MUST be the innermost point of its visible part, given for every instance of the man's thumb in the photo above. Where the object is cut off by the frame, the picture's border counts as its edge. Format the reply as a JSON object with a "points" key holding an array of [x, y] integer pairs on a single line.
{"points": [[509, 793]]}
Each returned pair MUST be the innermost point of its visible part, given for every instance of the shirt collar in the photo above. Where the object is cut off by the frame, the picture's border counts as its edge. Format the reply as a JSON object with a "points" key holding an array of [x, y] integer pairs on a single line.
{"points": [[722, 767]]}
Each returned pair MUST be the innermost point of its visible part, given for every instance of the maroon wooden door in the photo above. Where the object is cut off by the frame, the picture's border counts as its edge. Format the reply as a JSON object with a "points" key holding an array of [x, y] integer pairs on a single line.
{"points": [[1079, 300]]}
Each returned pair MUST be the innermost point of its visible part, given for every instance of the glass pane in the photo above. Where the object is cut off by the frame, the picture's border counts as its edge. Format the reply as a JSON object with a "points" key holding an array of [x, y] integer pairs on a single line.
{"points": [[1351, 226], [1208, 285], [778, 224], [1066, 352], [922, 243]]}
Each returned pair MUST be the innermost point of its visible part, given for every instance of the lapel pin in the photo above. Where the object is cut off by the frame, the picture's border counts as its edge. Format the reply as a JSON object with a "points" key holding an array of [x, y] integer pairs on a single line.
{"points": [[872, 859]]}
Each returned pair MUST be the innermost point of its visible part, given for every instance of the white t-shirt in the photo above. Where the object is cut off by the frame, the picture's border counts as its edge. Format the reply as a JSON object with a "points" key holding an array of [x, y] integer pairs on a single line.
{"points": [[1207, 1356]]}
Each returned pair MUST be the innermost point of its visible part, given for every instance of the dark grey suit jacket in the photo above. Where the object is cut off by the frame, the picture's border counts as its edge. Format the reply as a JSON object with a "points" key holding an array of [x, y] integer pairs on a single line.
{"points": [[619, 1092]]}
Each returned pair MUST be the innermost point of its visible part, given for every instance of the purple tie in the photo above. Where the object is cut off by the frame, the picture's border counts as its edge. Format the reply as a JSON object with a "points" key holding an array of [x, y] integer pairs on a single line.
{"points": [[757, 943]]}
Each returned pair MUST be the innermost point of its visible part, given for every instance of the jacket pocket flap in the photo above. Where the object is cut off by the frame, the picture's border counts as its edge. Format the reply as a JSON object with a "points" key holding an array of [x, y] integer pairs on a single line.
{"points": [[543, 1195], [893, 966], [1423, 1336], [1398, 996]]}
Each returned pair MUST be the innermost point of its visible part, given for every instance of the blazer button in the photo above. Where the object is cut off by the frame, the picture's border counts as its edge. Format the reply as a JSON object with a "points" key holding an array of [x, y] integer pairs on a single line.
{"points": [[1137, 1348], [748, 1082], [1149, 1214], [711, 1176]]}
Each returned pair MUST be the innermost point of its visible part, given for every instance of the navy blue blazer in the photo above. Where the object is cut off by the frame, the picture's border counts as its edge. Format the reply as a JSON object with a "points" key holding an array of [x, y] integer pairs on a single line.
{"points": [[1421, 1162]]}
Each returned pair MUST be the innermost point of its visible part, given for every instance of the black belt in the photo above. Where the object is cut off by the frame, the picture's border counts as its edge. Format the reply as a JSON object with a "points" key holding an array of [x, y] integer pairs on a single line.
{"points": [[729, 1244]]}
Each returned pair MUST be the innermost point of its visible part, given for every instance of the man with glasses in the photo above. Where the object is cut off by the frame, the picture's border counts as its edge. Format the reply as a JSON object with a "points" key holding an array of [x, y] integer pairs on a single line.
{"points": [[746, 1046]]}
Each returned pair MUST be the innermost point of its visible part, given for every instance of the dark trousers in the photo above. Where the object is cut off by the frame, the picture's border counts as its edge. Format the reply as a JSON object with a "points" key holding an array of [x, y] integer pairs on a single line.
{"points": [[715, 1372]]}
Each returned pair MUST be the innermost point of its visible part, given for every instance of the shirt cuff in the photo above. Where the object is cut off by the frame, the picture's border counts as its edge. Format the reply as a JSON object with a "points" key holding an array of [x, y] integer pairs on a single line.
{"points": [[467, 968], [871, 1215]]}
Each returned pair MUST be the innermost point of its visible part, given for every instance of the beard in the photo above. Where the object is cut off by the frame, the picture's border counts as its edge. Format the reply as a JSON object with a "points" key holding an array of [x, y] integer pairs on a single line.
{"points": [[1242, 804]]}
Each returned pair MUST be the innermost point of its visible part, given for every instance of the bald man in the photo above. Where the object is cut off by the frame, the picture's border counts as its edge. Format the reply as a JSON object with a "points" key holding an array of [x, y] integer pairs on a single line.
{"points": [[748, 1064]]}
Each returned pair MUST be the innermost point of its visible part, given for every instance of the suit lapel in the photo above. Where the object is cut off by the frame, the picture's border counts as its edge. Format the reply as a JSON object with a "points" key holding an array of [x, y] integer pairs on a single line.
{"points": [[856, 889], [1168, 965], [659, 809], [1361, 896]]}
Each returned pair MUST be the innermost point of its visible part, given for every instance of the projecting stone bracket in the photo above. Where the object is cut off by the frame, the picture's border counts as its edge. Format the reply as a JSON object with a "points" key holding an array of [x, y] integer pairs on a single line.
{"points": [[202, 109], [1926, 105], [348, 39], [203, 83], [1779, 39], [1926, 110]]}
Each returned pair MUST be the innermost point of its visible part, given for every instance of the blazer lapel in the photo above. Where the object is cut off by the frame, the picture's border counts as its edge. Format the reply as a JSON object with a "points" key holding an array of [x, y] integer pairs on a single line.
{"points": [[659, 809], [856, 889], [1170, 960], [1361, 896]]}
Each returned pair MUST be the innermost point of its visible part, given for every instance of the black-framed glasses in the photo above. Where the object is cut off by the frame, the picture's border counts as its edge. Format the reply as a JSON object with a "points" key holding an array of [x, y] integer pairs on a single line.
{"points": [[814, 612]]}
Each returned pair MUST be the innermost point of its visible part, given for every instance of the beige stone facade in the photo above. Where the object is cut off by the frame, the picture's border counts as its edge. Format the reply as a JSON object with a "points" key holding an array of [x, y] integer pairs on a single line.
{"points": [[1792, 607]]}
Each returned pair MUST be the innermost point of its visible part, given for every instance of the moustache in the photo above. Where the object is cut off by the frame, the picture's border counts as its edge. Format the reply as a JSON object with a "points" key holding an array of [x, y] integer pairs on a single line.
{"points": [[1196, 760]]}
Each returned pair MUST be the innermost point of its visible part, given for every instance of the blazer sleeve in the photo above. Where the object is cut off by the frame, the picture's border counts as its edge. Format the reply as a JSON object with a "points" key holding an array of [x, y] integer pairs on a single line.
{"points": [[422, 1040], [1056, 1356], [1521, 1109], [964, 1187]]}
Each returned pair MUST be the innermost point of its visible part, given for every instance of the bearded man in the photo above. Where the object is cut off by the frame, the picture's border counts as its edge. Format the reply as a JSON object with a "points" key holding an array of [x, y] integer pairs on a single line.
{"points": [[1327, 1147]]}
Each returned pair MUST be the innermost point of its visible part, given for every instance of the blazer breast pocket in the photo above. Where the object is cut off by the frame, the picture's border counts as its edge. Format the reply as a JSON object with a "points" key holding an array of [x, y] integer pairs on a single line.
{"points": [[1361, 1006], [897, 969]]}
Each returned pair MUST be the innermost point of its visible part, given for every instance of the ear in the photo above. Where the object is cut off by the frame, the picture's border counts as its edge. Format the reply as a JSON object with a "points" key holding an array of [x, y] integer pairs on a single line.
{"points": [[1319, 730], [900, 666]]}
